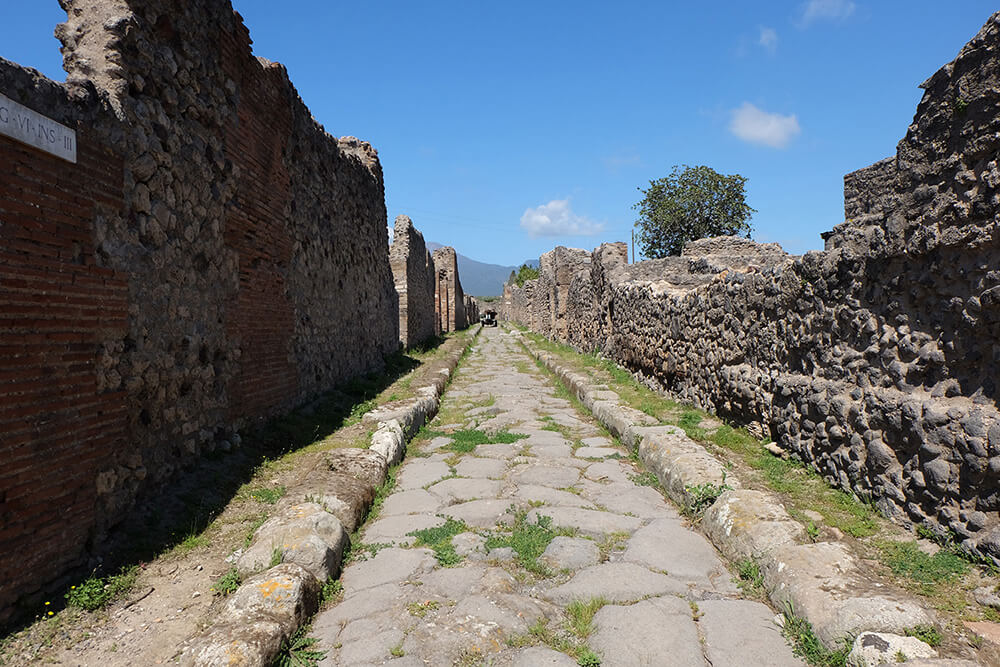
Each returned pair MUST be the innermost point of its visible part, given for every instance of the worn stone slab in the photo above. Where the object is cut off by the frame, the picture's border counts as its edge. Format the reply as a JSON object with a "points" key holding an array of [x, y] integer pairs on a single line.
{"points": [[625, 497], [549, 496], [552, 451], [388, 565], [637, 635], [596, 452], [485, 513], [571, 553], [617, 582], [499, 451], [609, 471], [669, 546], [557, 477], [594, 523], [396, 528], [542, 656], [823, 584], [420, 473], [461, 489], [742, 632], [474, 466], [750, 524], [414, 501]]}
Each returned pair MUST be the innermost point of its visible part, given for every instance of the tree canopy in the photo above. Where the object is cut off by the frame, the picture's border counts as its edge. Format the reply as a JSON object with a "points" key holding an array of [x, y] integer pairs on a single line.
{"points": [[522, 275], [691, 203]]}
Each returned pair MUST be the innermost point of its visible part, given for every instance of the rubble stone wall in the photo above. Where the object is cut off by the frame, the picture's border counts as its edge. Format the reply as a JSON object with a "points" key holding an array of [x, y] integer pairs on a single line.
{"points": [[449, 298], [416, 280], [214, 258], [875, 361]]}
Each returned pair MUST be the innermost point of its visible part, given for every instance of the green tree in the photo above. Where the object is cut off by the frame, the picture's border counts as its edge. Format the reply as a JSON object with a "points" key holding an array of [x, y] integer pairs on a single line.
{"points": [[524, 274], [691, 203]]}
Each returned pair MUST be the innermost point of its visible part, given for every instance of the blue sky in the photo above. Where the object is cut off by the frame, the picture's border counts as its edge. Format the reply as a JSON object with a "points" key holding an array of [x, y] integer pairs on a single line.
{"points": [[505, 129]]}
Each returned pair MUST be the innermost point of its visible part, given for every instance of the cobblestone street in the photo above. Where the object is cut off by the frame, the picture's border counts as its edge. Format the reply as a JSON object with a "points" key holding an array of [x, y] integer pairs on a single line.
{"points": [[521, 534]]}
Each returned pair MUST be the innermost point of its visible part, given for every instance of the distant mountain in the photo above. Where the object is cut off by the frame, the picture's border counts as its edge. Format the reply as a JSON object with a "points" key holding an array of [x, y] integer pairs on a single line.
{"points": [[480, 278]]}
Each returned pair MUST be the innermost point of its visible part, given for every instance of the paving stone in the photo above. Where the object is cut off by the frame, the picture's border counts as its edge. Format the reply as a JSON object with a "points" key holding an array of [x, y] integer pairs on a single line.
{"points": [[609, 471], [557, 477], [470, 545], [421, 472], [571, 553], [743, 632], [598, 441], [589, 522], [395, 529], [541, 656], [641, 501], [474, 466], [455, 582], [596, 452], [461, 489], [552, 451], [635, 635], [414, 501], [501, 451], [482, 513], [617, 582], [388, 565], [669, 546], [550, 496]]}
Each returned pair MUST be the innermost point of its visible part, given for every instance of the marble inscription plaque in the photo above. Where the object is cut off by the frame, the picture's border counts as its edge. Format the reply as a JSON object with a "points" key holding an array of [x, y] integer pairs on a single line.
{"points": [[30, 127]]}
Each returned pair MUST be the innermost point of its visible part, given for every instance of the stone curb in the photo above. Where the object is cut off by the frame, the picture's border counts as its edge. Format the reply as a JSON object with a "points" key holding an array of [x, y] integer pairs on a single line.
{"points": [[270, 606], [821, 582]]}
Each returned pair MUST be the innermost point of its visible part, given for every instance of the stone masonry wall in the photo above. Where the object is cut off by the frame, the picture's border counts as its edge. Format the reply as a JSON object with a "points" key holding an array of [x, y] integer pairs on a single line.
{"points": [[875, 361], [449, 298], [416, 280], [214, 258]]}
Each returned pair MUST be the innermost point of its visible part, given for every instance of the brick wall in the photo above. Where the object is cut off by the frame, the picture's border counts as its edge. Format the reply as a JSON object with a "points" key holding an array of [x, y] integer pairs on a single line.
{"points": [[59, 426], [215, 258]]}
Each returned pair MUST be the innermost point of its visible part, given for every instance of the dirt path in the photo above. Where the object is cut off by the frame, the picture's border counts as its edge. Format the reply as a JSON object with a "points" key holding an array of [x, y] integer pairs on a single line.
{"points": [[519, 534]]}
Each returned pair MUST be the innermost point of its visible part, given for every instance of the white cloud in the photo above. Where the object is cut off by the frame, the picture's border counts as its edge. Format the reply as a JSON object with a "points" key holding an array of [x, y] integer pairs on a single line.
{"points": [[768, 38], [557, 219], [760, 127], [826, 10]]}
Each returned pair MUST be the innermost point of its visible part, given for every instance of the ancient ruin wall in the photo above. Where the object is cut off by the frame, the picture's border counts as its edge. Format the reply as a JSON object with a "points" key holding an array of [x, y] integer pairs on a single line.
{"points": [[449, 298], [876, 360], [416, 280], [213, 258]]}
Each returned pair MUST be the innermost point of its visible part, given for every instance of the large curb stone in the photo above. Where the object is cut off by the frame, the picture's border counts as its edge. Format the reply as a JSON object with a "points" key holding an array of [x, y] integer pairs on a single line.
{"points": [[820, 582], [873, 648], [823, 584], [305, 534], [750, 524], [680, 464], [259, 616], [389, 441], [269, 607]]}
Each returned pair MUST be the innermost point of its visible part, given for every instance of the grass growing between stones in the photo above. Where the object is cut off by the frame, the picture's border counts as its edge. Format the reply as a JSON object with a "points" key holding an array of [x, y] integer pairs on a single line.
{"points": [[580, 616], [466, 440], [439, 540], [800, 488], [807, 646], [558, 639], [528, 540]]}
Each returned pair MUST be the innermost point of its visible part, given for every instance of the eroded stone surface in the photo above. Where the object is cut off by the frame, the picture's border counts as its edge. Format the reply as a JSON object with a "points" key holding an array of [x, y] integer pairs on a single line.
{"points": [[610, 538]]}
